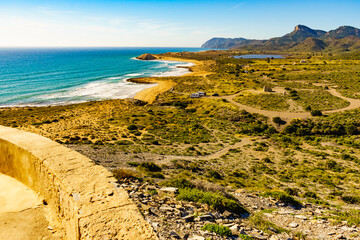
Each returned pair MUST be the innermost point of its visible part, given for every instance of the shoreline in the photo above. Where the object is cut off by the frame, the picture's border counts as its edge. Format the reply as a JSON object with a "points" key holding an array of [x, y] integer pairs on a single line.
{"points": [[149, 94]]}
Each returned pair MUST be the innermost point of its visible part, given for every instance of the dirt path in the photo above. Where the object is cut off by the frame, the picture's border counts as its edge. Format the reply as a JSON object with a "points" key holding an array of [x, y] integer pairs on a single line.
{"points": [[244, 141], [354, 103]]}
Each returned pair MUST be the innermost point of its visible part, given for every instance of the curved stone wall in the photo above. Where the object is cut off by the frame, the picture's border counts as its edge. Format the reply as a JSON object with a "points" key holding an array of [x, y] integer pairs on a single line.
{"points": [[85, 197]]}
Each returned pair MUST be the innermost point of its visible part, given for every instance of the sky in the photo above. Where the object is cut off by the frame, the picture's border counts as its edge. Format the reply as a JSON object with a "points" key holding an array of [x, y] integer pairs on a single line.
{"points": [[140, 23]]}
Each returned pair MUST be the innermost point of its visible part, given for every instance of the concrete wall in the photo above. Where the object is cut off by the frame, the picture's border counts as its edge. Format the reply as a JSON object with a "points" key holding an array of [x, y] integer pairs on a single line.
{"points": [[84, 196]]}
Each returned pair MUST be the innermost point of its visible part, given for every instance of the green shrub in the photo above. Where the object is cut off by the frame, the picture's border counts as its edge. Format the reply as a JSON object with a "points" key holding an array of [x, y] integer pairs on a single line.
{"points": [[178, 183], [351, 199], [214, 174], [352, 216], [155, 175], [133, 164], [282, 197], [292, 191], [149, 167], [245, 237], [215, 200], [316, 113], [221, 230], [310, 195], [132, 127], [260, 223]]}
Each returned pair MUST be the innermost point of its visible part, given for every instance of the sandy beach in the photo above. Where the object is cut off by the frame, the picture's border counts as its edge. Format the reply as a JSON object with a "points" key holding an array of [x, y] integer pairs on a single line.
{"points": [[149, 95]]}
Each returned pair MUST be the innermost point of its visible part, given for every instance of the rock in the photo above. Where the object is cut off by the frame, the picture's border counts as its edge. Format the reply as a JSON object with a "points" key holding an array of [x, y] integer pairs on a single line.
{"points": [[189, 218], [196, 238], [227, 214], [293, 225], [171, 190], [174, 235], [257, 236], [234, 229], [166, 208], [340, 237], [274, 237], [301, 217], [272, 229], [146, 56], [207, 216]]}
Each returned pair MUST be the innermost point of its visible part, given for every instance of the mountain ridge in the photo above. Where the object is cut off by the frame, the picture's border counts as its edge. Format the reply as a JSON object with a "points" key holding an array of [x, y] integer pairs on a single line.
{"points": [[301, 38]]}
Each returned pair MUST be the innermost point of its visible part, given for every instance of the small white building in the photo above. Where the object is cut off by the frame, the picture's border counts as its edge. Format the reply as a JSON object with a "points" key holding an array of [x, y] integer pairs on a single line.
{"points": [[194, 95]]}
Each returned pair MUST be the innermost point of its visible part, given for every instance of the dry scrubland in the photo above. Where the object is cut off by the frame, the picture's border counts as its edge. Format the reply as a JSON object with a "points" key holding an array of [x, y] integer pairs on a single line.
{"points": [[210, 140]]}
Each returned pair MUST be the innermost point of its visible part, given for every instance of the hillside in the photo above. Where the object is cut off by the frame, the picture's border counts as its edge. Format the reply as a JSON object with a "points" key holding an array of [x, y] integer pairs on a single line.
{"points": [[302, 38]]}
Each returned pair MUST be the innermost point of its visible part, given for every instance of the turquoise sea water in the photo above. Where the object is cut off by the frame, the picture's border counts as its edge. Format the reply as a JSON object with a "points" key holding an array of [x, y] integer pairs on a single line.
{"points": [[40, 77]]}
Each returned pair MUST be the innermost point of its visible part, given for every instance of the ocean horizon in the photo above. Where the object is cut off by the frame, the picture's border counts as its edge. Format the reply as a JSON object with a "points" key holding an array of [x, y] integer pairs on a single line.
{"points": [[61, 76]]}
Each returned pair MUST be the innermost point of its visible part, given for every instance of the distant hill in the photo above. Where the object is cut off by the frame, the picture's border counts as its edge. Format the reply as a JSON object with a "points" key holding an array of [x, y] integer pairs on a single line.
{"points": [[302, 38], [342, 32], [230, 42]]}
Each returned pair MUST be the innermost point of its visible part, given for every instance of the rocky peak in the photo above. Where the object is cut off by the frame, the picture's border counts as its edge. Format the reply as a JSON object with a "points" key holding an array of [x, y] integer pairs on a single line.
{"points": [[301, 28]]}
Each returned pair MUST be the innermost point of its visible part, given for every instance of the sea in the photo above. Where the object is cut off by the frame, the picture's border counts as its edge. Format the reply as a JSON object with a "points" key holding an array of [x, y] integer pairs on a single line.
{"points": [[60, 76]]}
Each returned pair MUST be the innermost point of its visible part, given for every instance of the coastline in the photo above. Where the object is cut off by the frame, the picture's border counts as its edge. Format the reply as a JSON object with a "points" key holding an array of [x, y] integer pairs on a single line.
{"points": [[149, 94]]}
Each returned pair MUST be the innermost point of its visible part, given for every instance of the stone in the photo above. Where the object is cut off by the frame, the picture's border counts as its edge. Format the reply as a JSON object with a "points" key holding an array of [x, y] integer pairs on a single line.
{"points": [[258, 236], [207, 216], [293, 224], [196, 238], [227, 214], [234, 229], [301, 217], [170, 190], [274, 237], [173, 234], [189, 218]]}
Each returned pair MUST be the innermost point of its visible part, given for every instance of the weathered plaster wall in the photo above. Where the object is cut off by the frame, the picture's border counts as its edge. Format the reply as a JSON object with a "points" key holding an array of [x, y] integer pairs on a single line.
{"points": [[84, 196]]}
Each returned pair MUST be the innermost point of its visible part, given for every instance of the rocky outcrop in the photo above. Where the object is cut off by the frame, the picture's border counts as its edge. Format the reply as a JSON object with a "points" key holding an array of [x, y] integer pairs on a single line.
{"points": [[146, 56], [85, 198]]}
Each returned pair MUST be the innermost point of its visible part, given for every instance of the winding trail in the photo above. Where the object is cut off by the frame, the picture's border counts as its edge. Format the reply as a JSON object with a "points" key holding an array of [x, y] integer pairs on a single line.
{"points": [[354, 103]]}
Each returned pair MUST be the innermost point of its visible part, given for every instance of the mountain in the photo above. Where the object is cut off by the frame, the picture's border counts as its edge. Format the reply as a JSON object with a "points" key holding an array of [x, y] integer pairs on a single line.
{"points": [[229, 42], [302, 38], [342, 32], [310, 45]]}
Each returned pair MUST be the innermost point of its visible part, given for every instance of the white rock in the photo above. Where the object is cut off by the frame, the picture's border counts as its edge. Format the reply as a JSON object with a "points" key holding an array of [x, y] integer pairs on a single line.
{"points": [[293, 224]]}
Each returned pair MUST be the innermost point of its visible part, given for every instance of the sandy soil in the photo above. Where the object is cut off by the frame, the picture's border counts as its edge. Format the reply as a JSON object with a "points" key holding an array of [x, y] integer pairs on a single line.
{"points": [[149, 95]]}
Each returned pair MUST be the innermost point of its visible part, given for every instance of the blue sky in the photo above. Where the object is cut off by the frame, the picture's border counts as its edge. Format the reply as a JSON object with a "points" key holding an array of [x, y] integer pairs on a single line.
{"points": [[162, 23]]}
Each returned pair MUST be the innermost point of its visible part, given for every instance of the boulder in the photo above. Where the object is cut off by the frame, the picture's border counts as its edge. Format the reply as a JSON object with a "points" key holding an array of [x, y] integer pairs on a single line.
{"points": [[146, 56]]}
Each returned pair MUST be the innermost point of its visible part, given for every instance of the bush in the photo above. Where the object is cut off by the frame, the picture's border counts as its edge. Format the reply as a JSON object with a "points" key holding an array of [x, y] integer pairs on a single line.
{"points": [[351, 199], [221, 230], [149, 167], [292, 191], [133, 164], [178, 183], [316, 113], [352, 216], [215, 200], [278, 121], [283, 197], [121, 174], [259, 222], [132, 127], [214, 174], [310, 195]]}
